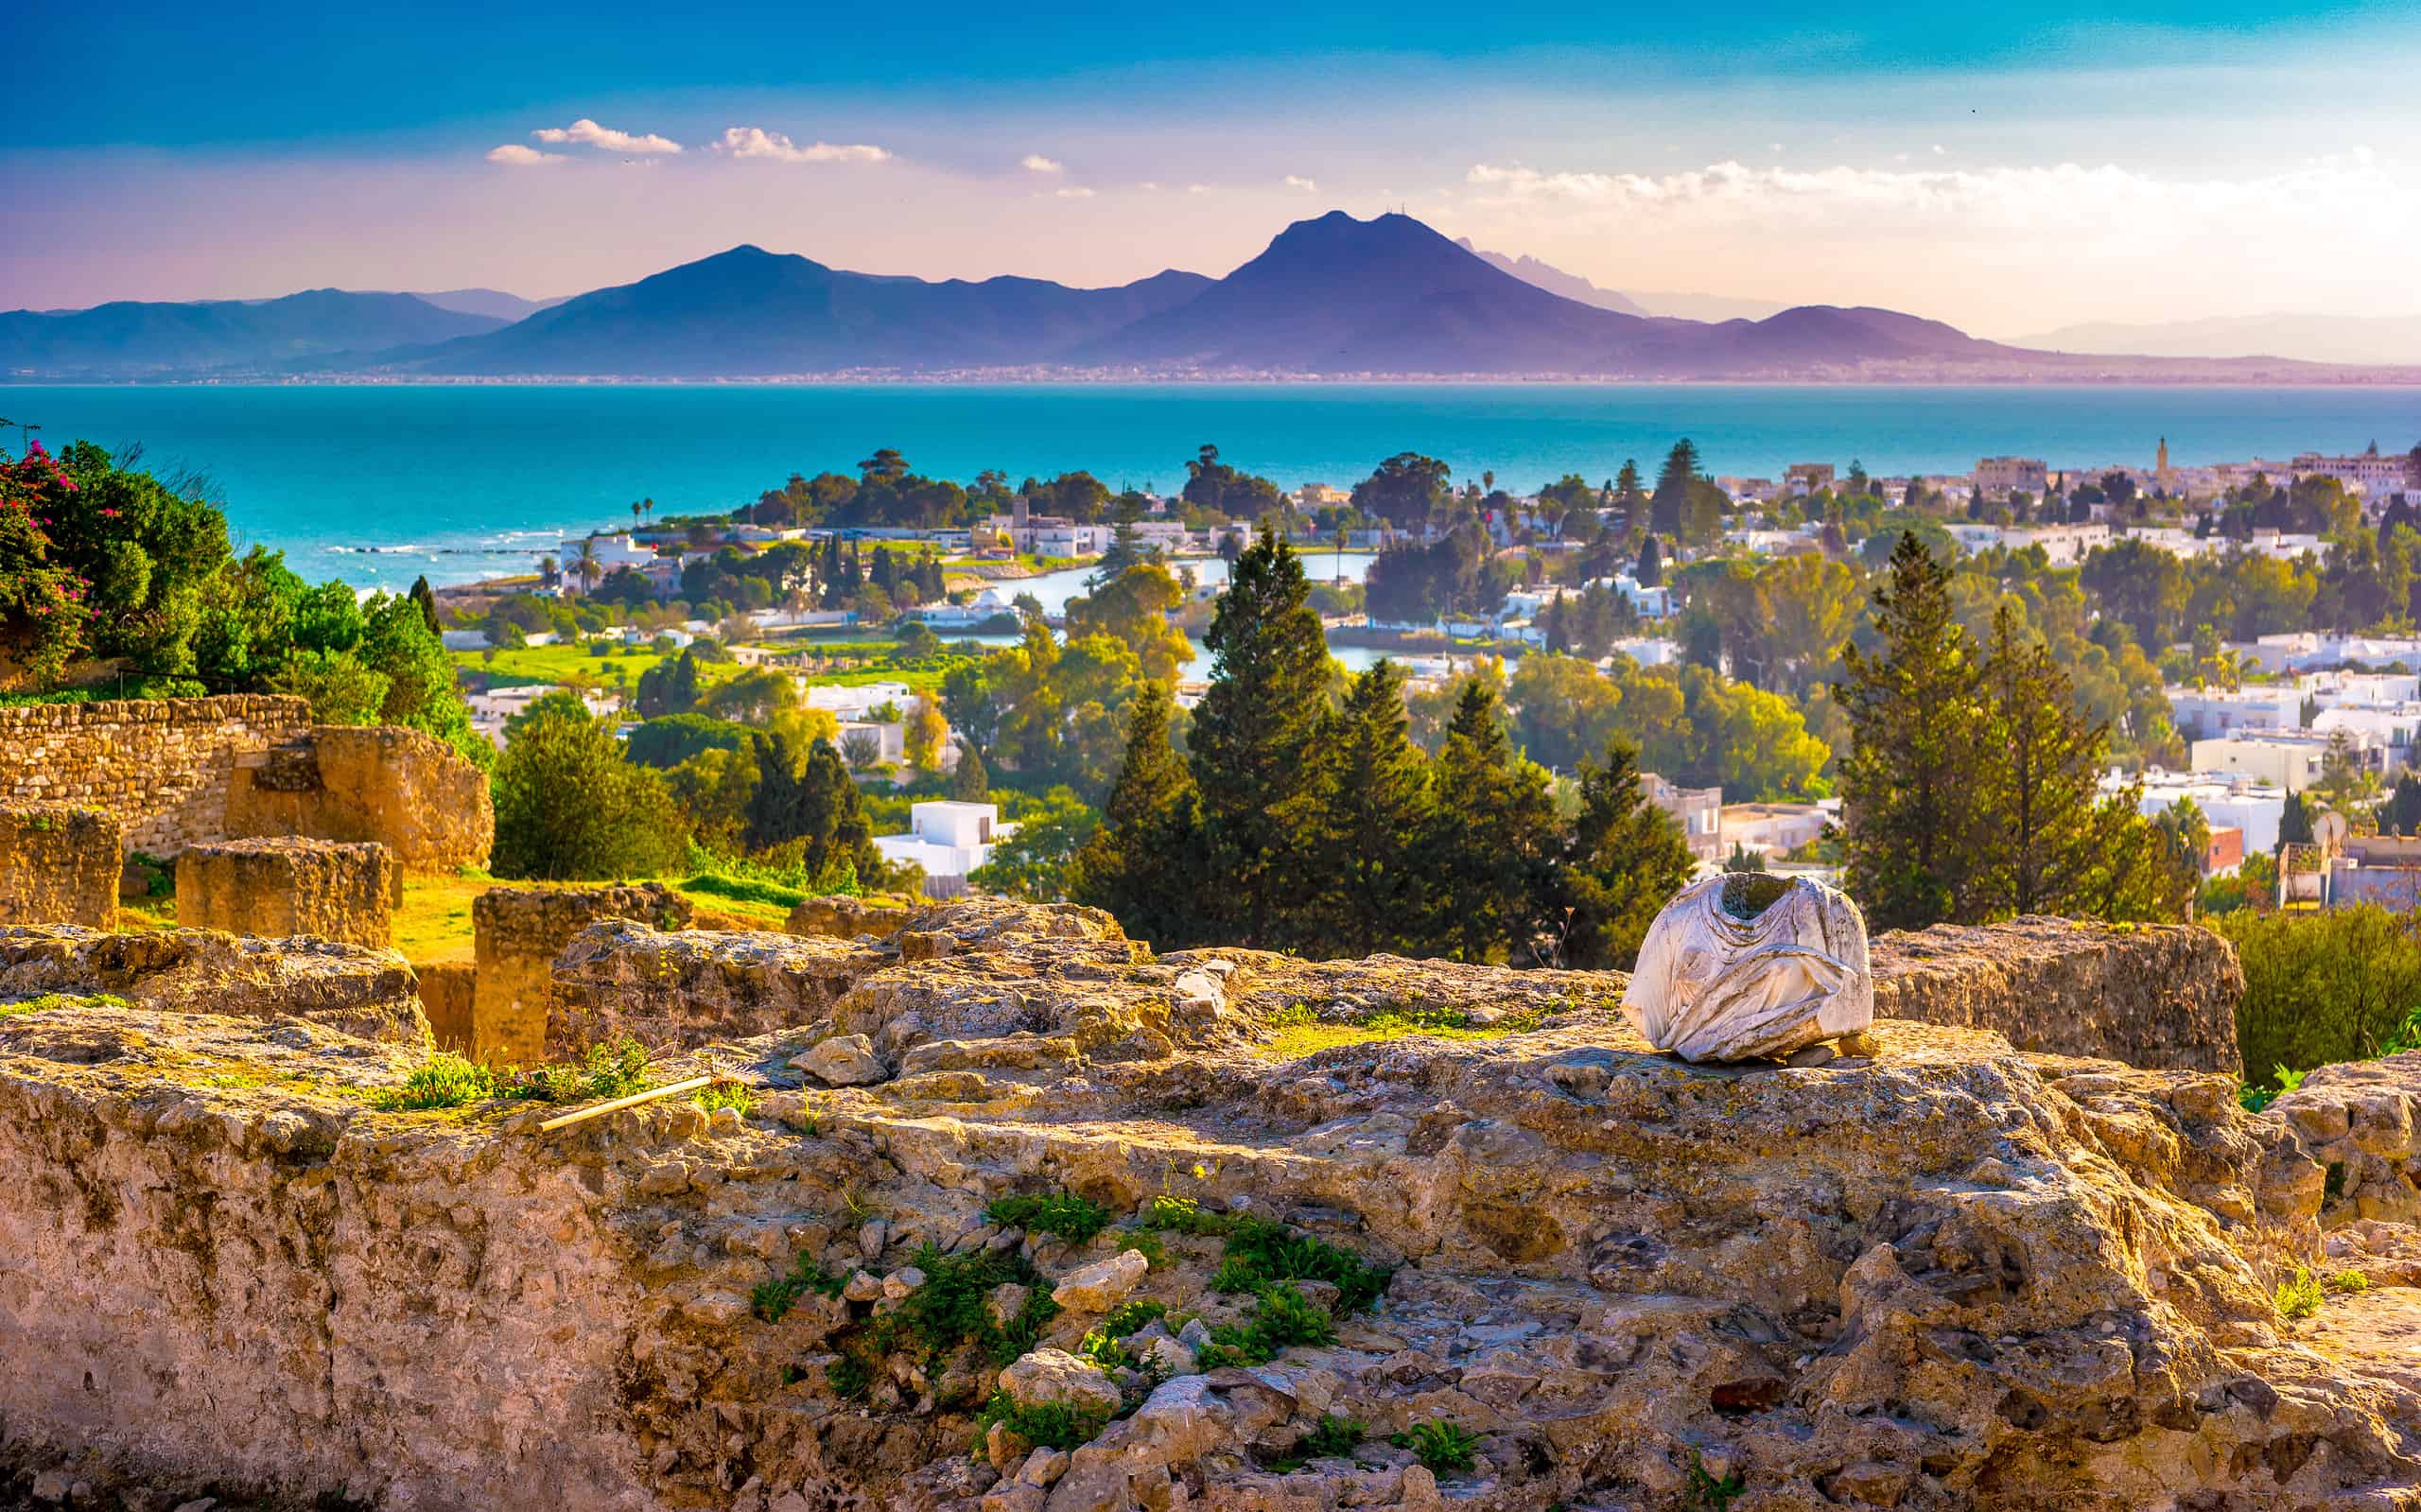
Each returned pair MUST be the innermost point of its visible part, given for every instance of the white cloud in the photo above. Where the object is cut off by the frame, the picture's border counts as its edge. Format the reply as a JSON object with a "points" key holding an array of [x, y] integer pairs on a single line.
{"points": [[1936, 149], [1197, 189], [1036, 163], [513, 155], [589, 132], [2069, 240], [1147, 184], [1078, 193], [754, 141], [1295, 181]]}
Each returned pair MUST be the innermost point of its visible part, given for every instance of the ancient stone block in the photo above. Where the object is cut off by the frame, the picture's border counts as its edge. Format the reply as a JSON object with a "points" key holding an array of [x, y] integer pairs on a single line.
{"points": [[845, 918], [447, 991], [58, 865], [286, 887], [2151, 995], [517, 932], [692, 986], [163, 766], [402, 789], [351, 989]]}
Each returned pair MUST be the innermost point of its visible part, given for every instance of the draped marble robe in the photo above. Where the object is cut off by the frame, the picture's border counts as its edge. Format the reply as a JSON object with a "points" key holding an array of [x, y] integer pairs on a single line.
{"points": [[1715, 987]]}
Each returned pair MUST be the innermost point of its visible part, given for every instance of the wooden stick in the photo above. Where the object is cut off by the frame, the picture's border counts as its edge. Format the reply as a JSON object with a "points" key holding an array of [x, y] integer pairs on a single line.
{"points": [[564, 1120]]}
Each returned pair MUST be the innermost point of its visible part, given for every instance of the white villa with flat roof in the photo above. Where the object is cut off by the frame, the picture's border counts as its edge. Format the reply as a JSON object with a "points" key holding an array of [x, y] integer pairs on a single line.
{"points": [[948, 839]]}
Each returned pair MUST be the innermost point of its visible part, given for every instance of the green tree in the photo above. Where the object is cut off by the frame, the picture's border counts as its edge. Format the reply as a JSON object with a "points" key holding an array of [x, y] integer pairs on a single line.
{"points": [[1490, 836], [670, 686], [1368, 831], [807, 798], [1668, 506], [1911, 783], [1256, 737], [1405, 489], [425, 598], [567, 806], [2042, 788], [1622, 859], [422, 693], [1141, 864], [968, 782], [339, 689], [1034, 861]]}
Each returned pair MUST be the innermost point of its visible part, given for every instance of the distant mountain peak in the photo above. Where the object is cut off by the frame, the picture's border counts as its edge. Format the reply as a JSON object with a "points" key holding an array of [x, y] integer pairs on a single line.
{"points": [[1555, 280]]}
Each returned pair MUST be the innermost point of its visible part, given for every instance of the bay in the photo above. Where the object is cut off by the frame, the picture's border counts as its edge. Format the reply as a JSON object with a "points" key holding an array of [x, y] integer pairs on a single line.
{"points": [[377, 484]]}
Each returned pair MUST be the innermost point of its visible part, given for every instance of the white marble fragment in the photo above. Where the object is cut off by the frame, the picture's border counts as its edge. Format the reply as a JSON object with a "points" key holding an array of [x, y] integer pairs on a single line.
{"points": [[1715, 987]]}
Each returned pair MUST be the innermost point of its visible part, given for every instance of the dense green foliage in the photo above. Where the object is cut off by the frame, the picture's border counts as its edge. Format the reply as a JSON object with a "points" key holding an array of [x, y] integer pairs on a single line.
{"points": [[568, 806], [2323, 986]]}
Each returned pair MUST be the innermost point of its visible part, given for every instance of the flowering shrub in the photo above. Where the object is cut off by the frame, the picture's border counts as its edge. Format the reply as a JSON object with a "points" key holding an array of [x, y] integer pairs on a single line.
{"points": [[43, 607]]}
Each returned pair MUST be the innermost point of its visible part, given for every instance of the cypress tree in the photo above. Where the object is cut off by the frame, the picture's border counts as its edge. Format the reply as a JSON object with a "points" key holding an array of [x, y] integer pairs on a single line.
{"points": [[968, 781], [1138, 864], [1490, 838], [1376, 809], [2046, 764], [1649, 570], [812, 801], [1668, 506], [1911, 785], [1256, 735], [1622, 859], [427, 598]]}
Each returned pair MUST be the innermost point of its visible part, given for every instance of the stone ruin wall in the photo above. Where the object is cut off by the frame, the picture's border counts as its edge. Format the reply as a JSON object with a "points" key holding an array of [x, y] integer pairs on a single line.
{"points": [[277, 888], [399, 788], [2151, 995], [186, 771], [1936, 1274], [58, 865], [517, 934], [164, 765]]}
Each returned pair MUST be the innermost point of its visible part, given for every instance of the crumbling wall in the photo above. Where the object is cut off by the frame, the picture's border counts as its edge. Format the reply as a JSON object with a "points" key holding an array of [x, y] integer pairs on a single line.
{"points": [[399, 788], [163, 766], [845, 918], [58, 865], [691, 988], [448, 990], [2151, 995], [366, 993], [283, 887], [517, 934]]}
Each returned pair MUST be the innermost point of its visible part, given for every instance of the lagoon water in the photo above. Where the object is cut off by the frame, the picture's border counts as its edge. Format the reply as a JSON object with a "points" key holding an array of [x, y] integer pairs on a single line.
{"points": [[378, 484]]}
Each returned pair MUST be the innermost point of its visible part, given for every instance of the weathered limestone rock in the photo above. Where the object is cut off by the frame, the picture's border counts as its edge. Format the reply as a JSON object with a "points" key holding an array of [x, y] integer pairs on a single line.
{"points": [[277, 888], [1057, 1376], [1103, 1284], [1746, 965], [845, 918], [2362, 1123], [2146, 993], [58, 865], [517, 932], [399, 788], [1938, 1273], [348, 989], [448, 991], [619, 976], [842, 1060]]}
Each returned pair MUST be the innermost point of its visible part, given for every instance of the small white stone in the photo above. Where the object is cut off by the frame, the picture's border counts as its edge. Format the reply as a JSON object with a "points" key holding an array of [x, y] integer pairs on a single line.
{"points": [[1100, 1286]]}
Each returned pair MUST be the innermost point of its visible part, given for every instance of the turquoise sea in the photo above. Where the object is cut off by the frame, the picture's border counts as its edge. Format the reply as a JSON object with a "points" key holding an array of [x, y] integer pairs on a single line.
{"points": [[378, 484]]}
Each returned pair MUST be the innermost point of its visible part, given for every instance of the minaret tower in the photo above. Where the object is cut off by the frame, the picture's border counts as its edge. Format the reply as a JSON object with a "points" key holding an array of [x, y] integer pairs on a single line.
{"points": [[2161, 468]]}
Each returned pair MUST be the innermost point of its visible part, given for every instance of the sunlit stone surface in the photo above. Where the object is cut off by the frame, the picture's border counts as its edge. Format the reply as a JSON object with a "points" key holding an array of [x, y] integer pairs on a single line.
{"points": [[1747, 964]]}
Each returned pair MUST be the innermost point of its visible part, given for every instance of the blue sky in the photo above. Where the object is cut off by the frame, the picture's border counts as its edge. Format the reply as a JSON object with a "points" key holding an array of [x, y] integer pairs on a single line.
{"points": [[2006, 167]]}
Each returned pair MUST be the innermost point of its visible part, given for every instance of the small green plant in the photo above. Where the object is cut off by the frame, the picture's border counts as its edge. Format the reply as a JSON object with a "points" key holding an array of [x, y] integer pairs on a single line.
{"points": [[1071, 1217], [1705, 1491], [2299, 1297], [1445, 1448], [1101, 1343], [1045, 1424], [444, 1080], [2349, 1282], [851, 1378], [1126, 1317], [616, 1068], [1180, 1215], [777, 1296], [954, 1306], [1260, 1251], [1148, 1243], [1280, 1316], [1335, 1436], [1294, 1015], [726, 1092]]}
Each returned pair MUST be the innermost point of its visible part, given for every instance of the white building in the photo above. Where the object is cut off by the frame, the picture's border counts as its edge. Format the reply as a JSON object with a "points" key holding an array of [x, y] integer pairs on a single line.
{"points": [[2205, 713], [850, 704], [2291, 759], [608, 552], [2227, 802], [2063, 546], [948, 839], [1772, 828], [1698, 811], [2371, 474], [890, 740], [2305, 651], [2000, 477], [2389, 728]]}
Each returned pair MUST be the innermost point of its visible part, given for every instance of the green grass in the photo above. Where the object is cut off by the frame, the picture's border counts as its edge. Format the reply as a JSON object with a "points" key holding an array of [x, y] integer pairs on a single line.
{"points": [[1445, 1448], [61, 999], [952, 1307], [618, 1068], [1260, 1252], [444, 1080], [1072, 1218], [1281, 1316], [1300, 1031]]}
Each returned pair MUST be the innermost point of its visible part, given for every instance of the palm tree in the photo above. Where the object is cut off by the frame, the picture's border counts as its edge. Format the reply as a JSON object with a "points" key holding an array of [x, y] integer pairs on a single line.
{"points": [[649, 505], [585, 565], [635, 509]]}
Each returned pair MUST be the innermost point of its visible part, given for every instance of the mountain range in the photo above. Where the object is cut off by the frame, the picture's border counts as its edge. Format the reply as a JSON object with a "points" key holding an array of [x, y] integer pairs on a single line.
{"points": [[1333, 296], [1572, 287]]}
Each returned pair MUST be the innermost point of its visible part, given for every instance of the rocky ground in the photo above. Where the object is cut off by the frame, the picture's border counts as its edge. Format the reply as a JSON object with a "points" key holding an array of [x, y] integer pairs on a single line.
{"points": [[1025, 1219]]}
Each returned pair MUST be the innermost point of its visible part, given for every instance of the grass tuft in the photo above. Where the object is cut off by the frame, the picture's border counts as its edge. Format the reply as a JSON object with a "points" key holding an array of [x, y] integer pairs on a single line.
{"points": [[2299, 1297], [1445, 1448], [1072, 1218]]}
